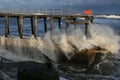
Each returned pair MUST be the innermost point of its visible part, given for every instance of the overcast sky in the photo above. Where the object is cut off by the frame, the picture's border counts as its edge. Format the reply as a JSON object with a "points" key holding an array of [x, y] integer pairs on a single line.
{"points": [[60, 4], [53, 3]]}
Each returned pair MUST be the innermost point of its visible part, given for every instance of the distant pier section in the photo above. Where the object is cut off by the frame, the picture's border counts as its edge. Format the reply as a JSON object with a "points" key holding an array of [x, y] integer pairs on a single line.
{"points": [[69, 16]]}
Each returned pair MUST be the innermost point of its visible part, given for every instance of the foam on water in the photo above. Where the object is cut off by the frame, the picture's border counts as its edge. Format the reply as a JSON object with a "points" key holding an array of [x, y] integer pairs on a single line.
{"points": [[12, 49], [108, 16], [103, 36], [99, 35], [11, 56]]}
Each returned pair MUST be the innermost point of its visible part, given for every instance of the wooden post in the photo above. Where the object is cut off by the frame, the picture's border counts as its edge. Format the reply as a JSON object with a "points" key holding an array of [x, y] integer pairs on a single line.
{"points": [[46, 12], [59, 23], [51, 23], [86, 29], [61, 12], [86, 26], [74, 20], [67, 18], [18, 22], [86, 18], [45, 24], [35, 26], [67, 25], [20, 27], [53, 12], [91, 19], [6, 26], [32, 28]]}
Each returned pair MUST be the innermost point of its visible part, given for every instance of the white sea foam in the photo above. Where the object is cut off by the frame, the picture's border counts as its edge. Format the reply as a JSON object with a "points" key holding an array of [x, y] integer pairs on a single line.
{"points": [[37, 13], [104, 37], [50, 45], [61, 78], [46, 47], [12, 56], [108, 16]]}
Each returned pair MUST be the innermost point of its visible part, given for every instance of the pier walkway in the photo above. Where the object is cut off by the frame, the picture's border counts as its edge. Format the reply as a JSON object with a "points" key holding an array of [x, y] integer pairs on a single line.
{"points": [[69, 18]]}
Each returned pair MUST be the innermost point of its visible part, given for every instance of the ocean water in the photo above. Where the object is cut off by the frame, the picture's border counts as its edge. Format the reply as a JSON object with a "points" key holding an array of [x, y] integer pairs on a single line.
{"points": [[108, 67], [104, 32]]}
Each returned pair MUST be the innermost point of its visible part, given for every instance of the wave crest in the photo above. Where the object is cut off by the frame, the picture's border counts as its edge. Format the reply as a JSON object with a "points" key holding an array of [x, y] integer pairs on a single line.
{"points": [[108, 16]]}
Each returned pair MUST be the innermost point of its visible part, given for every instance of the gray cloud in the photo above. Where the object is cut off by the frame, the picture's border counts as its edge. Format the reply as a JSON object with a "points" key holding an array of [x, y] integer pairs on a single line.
{"points": [[53, 3]]}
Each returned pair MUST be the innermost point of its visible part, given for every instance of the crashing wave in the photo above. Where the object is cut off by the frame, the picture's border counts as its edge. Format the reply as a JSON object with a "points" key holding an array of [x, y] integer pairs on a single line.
{"points": [[69, 45], [108, 16]]}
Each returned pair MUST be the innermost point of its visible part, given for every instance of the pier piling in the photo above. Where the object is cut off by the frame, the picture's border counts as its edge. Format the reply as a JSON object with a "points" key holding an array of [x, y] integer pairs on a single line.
{"points": [[51, 23], [35, 26], [6, 26], [86, 29], [32, 26], [59, 23], [45, 25], [20, 27], [67, 25]]}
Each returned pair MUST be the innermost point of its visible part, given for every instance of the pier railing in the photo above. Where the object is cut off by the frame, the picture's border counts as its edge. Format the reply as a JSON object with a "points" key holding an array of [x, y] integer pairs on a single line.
{"points": [[42, 11]]}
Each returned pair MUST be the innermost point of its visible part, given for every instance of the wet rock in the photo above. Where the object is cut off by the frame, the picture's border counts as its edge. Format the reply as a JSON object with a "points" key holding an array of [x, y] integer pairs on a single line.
{"points": [[35, 71]]}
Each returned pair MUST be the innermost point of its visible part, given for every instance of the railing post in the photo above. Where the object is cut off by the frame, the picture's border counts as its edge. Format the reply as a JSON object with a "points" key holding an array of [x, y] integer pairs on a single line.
{"points": [[61, 12], [68, 12], [46, 12], [53, 12], [38, 10]]}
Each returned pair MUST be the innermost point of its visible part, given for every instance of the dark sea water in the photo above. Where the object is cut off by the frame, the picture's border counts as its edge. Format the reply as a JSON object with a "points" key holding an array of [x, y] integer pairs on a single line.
{"points": [[107, 68]]}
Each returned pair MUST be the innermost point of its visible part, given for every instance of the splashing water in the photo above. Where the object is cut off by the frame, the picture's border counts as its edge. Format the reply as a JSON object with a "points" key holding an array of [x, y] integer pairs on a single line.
{"points": [[50, 45], [31, 49], [104, 37]]}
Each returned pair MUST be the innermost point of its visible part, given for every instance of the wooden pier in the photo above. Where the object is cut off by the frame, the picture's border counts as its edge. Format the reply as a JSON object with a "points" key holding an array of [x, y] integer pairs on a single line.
{"points": [[68, 19]]}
